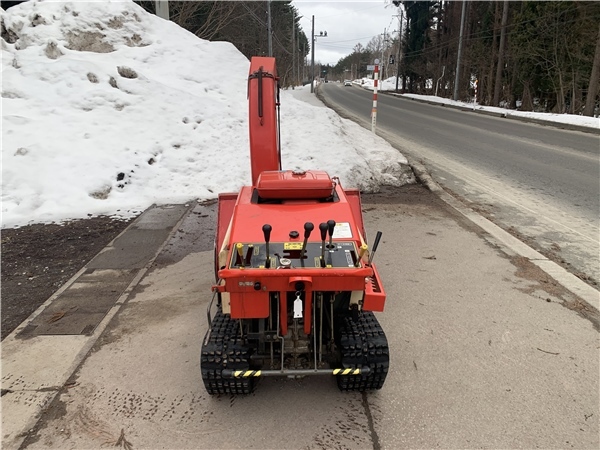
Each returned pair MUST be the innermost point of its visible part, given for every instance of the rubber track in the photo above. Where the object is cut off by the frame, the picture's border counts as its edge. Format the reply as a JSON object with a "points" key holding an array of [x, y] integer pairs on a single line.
{"points": [[363, 343], [224, 350]]}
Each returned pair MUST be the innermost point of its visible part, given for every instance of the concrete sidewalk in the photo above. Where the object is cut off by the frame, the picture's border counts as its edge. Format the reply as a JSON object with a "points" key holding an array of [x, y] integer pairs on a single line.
{"points": [[487, 350], [43, 352]]}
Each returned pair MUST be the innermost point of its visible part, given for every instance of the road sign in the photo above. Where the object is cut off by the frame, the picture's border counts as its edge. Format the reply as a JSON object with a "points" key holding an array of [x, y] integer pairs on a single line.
{"points": [[371, 67]]}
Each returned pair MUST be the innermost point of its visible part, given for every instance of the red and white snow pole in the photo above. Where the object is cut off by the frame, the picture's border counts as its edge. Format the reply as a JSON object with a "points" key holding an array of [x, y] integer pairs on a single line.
{"points": [[475, 99], [374, 110]]}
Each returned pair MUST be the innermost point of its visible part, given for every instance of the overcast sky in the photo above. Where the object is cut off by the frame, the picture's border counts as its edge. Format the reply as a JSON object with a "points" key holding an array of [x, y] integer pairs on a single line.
{"points": [[347, 23]]}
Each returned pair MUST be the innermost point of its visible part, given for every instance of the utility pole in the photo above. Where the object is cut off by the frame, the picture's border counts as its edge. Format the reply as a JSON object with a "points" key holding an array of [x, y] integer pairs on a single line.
{"points": [[303, 61], [322, 34], [297, 47], [460, 44], [162, 9], [398, 51], [312, 58], [293, 49], [382, 55], [498, 83], [269, 27]]}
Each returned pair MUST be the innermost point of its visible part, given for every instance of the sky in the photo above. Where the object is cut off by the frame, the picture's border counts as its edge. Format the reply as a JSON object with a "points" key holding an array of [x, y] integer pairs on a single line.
{"points": [[347, 23], [107, 109]]}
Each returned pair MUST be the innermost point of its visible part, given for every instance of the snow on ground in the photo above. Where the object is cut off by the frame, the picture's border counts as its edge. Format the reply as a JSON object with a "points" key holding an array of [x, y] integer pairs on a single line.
{"points": [[389, 84], [107, 109]]}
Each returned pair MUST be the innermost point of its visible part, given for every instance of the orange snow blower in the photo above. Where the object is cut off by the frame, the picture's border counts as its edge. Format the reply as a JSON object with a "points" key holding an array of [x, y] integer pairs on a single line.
{"points": [[296, 286]]}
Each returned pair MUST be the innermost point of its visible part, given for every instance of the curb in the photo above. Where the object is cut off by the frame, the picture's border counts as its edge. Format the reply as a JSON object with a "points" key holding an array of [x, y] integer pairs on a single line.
{"points": [[503, 238], [570, 282]]}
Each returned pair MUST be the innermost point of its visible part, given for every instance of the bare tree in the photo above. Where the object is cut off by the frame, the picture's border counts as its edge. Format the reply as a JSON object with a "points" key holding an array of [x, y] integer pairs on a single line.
{"points": [[205, 18]]}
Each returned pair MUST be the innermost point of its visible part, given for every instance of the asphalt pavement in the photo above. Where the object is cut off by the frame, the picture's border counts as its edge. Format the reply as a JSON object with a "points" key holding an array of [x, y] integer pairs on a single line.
{"points": [[487, 350], [538, 181]]}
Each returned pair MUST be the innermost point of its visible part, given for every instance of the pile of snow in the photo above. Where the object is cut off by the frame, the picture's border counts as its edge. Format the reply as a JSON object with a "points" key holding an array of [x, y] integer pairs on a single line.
{"points": [[108, 109]]}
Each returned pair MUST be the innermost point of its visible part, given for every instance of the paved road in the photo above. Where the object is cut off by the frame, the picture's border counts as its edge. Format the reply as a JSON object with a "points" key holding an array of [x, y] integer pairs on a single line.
{"points": [[537, 181], [486, 351]]}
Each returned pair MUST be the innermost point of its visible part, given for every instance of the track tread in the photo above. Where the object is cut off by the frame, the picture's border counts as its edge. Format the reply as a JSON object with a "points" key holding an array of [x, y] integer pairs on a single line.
{"points": [[225, 349], [363, 343]]}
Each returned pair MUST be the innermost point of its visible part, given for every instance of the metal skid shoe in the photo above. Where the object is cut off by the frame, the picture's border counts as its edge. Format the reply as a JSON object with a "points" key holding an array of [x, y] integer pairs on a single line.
{"points": [[224, 349], [362, 342]]}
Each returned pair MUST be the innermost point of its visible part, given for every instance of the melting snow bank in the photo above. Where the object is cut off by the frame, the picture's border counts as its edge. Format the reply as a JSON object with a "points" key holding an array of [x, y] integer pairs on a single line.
{"points": [[322, 140], [108, 109], [389, 84]]}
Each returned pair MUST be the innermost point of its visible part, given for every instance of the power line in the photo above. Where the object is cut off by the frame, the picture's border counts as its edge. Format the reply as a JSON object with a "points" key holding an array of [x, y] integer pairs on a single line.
{"points": [[260, 21], [378, 5]]}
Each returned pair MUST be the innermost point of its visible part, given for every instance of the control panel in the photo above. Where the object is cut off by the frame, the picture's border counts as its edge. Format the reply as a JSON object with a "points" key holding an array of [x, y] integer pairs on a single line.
{"points": [[290, 255], [296, 254]]}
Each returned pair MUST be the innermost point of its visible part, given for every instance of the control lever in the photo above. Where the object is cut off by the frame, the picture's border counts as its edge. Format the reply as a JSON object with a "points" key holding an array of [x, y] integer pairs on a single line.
{"points": [[331, 228], [323, 228], [375, 244], [240, 251], [267, 233], [361, 252], [249, 253], [308, 227]]}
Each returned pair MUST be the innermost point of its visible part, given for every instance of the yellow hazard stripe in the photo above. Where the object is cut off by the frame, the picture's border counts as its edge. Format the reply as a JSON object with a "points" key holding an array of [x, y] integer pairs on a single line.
{"points": [[346, 371], [246, 373]]}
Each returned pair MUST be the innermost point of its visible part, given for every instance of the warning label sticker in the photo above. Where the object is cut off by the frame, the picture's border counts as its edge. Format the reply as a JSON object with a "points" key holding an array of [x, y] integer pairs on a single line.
{"points": [[342, 230]]}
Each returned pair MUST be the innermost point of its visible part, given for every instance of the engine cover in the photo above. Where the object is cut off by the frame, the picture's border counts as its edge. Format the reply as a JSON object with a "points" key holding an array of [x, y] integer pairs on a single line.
{"points": [[288, 184]]}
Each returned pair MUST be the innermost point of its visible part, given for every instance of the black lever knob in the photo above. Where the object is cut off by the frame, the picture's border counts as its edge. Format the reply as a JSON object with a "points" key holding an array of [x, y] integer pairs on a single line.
{"points": [[308, 227], [267, 231], [323, 228], [331, 227], [377, 239]]}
